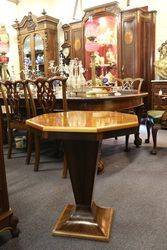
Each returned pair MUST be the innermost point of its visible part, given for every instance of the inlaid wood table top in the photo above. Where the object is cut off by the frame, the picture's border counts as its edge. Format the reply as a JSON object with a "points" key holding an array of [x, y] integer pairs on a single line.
{"points": [[83, 121], [82, 133]]}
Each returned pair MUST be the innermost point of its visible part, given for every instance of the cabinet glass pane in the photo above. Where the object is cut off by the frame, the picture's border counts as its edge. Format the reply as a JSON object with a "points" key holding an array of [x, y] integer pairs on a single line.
{"points": [[27, 53], [106, 53], [39, 55]]}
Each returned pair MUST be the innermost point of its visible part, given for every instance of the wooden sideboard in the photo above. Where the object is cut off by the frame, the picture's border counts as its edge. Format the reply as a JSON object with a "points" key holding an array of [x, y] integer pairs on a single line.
{"points": [[7, 220], [159, 101]]}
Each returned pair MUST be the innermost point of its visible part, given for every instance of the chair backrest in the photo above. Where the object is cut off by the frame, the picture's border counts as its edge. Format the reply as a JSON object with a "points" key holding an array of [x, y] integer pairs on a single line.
{"points": [[13, 94], [45, 95], [130, 84]]}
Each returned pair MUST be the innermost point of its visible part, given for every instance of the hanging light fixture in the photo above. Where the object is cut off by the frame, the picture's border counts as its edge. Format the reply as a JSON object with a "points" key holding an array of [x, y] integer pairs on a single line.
{"points": [[78, 10]]}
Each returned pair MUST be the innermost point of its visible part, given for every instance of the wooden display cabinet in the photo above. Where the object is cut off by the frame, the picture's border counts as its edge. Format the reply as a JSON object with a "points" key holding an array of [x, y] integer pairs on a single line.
{"points": [[159, 102], [7, 220], [37, 42], [137, 46], [135, 37]]}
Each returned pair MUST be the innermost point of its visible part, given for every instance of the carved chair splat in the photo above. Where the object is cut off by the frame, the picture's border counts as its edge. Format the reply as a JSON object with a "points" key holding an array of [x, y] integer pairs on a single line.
{"points": [[16, 111], [45, 95]]}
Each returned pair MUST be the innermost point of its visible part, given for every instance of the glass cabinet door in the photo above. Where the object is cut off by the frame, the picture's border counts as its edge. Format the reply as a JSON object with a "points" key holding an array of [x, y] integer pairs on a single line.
{"points": [[27, 60], [105, 29], [39, 55]]}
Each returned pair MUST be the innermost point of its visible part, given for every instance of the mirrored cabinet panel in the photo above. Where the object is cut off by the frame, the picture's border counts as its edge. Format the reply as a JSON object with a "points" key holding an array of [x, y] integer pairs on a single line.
{"points": [[27, 59], [39, 55]]}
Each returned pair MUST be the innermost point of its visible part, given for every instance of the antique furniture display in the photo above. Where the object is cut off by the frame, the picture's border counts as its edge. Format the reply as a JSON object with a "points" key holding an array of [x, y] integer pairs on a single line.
{"points": [[37, 43], [12, 93], [128, 47], [7, 220], [45, 99], [82, 133], [124, 102]]}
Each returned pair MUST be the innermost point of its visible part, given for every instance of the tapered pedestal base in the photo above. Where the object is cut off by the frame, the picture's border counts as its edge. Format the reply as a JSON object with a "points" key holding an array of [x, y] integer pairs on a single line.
{"points": [[95, 225]]}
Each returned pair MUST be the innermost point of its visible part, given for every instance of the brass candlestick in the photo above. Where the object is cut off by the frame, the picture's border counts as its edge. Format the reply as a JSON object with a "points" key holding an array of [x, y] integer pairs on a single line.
{"points": [[93, 69]]}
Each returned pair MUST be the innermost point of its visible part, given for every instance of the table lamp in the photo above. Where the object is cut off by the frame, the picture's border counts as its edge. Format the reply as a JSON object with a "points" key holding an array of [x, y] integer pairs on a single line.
{"points": [[91, 32]]}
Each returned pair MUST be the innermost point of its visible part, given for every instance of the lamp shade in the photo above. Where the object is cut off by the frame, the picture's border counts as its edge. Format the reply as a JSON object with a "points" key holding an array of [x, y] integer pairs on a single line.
{"points": [[4, 59], [91, 46], [91, 29]]}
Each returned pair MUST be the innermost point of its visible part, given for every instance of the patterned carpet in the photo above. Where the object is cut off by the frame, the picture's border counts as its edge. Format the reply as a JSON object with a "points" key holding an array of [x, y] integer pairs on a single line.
{"points": [[134, 183]]}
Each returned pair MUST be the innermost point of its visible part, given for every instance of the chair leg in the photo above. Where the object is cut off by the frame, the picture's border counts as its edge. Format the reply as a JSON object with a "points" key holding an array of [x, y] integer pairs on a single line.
{"points": [[65, 167], [148, 127], [37, 152], [100, 166], [127, 143], [29, 147], [10, 142], [154, 135]]}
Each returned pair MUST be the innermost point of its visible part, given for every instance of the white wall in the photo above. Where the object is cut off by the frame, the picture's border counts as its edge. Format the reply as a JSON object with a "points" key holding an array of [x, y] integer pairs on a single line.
{"points": [[63, 9]]}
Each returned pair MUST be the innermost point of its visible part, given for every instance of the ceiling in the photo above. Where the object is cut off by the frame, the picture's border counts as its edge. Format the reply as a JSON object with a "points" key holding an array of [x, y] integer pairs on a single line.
{"points": [[14, 1]]}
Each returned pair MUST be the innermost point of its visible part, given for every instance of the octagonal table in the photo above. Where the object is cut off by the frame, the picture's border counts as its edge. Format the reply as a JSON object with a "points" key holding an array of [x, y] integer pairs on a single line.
{"points": [[82, 133]]}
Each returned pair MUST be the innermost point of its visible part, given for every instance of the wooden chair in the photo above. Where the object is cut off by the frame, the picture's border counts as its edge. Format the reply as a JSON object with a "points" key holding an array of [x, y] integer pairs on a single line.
{"points": [[45, 98], [17, 110], [129, 84], [156, 119]]}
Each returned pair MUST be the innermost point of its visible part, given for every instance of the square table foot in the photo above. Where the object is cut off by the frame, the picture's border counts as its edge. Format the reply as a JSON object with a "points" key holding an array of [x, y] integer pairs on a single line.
{"points": [[96, 228]]}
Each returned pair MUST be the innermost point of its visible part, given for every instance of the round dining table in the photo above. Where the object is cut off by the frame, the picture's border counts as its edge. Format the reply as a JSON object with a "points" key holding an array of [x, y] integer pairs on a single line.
{"points": [[126, 102]]}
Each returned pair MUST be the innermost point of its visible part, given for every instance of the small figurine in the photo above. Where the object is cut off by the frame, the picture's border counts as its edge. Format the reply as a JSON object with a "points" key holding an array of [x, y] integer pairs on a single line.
{"points": [[110, 56], [40, 59], [27, 61], [97, 58]]}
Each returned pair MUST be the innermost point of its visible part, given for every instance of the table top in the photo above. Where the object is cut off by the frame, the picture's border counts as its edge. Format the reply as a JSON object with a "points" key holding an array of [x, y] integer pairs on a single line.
{"points": [[126, 94], [108, 97], [83, 121]]}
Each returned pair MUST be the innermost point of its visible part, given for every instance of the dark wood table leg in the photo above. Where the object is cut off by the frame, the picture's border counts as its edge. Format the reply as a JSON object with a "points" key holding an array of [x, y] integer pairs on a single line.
{"points": [[84, 219], [138, 112]]}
